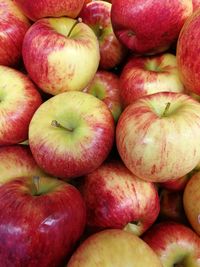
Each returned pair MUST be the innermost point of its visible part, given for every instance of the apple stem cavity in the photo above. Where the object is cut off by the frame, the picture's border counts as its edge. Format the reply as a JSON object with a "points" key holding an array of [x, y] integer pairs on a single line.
{"points": [[79, 20], [166, 109], [36, 181], [55, 123]]}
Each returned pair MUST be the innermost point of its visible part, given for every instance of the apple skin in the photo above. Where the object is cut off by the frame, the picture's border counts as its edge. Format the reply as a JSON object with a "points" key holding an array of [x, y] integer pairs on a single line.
{"points": [[187, 50], [17, 161], [113, 248], [39, 226], [38, 9], [156, 24], [147, 75], [19, 100], [171, 206], [153, 130], [105, 86], [60, 54], [191, 202], [13, 26], [97, 15], [175, 244], [196, 4], [81, 142], [115, 198]]}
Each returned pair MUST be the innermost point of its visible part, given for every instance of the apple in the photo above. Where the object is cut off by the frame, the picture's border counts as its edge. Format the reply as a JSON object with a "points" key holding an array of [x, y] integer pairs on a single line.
{"points": [[60, 54], [41, 219], [115, 198], [177, 184], [147, 75], [196, 4], [191, 201], [158, 136], [114, 248], [17, 161], [175, 244], [71, 134], [19, 99], [97, 15], [171, 206], [187, 53], [105, 86], [149, 27], [37, 9], [13, 26]]}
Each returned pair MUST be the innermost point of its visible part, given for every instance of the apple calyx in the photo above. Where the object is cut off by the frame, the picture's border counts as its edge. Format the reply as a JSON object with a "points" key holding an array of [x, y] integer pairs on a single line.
{"points": [[55, 123], [133, 227], [179, 264], [166, 109]]}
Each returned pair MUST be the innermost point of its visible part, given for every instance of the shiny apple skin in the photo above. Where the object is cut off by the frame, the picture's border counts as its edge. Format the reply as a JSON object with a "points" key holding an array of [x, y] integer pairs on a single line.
{"points": [[97, 15], [60, 54], [159, 145], [142, 76], [174, 243], [115, 197], [187, 53], [39, 230], [19, 101], [69, 154], [105, 86], [149, 27], [17, 161], [38, 9], [114, 248], [13, 26]]}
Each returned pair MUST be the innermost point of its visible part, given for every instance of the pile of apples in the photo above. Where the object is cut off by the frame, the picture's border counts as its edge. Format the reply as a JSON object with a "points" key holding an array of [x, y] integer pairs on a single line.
{"points": [[99, 133]]}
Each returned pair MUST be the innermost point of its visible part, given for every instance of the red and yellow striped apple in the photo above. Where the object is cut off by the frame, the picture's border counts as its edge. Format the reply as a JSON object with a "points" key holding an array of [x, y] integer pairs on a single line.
{"points": [[19, 100], [158, 136], [13, 26], [147, 26], [148, 75], [71, 134], [38, 9], [60, 54]]}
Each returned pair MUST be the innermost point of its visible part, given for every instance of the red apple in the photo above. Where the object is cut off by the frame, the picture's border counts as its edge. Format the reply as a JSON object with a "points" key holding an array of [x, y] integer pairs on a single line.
{"points": [[71, 134], [171, 206], [60, 54], [188, 53], [19, 100], [55, 8], [191, 201], [158, 136], [13, 26], [147, 26], [147, 75], [96, 14], [114, 248], [40, 221], [105, 86], [17, 161], [175, 244], [115, 198]]}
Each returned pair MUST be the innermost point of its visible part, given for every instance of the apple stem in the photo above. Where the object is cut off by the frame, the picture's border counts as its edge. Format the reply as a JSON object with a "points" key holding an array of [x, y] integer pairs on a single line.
{"points": [[36, 181], [79, 20], [55, 123], [166, 109]]}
